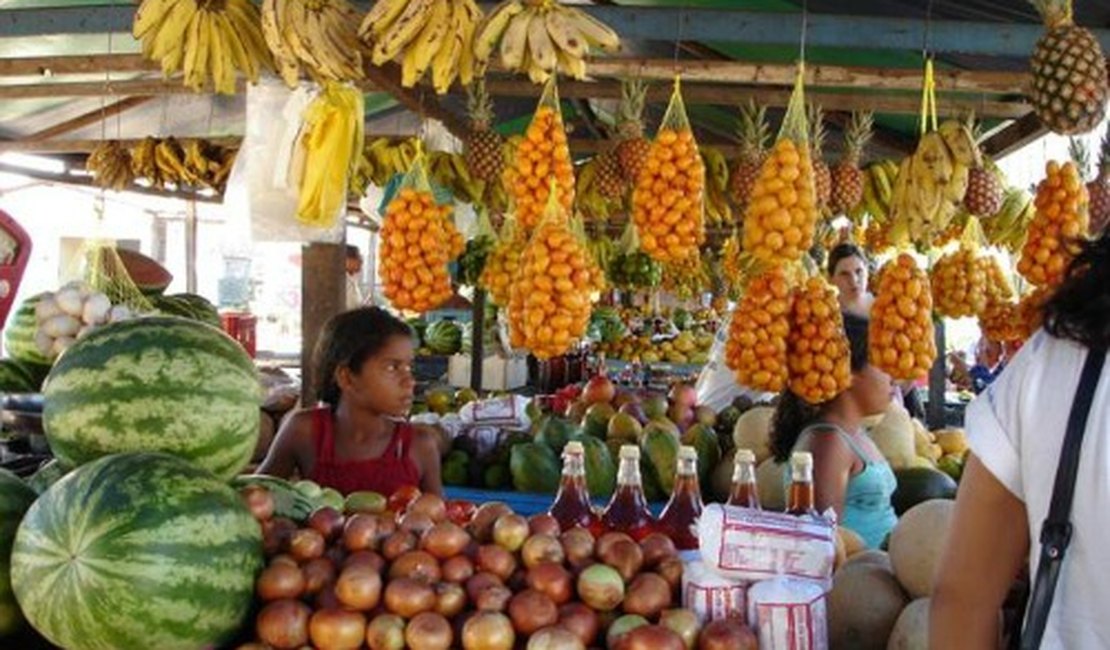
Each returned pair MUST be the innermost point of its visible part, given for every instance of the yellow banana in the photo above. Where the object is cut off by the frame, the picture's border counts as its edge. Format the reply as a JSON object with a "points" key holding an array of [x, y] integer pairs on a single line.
{"points": [[149, 16], [445, 63], [540, 43], [218, 63], [402, 31], [565, 33], [236, 42], [432, 37], [380, 18], [286, 62], [466, 55], [493, 28], [571, 66], [514, 42], [168, 40], [593, 30]]}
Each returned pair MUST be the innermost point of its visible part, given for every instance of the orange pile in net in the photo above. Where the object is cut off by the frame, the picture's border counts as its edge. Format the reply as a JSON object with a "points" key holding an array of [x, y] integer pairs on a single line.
{"points": [[543, 153], [418, 239], [959, 284], [550, 303], [1061, 218], [1001, 321], [1030, 310], [757, 336], [998, 284], [901, 332], [781, 218], [817, 348], [501, 269], [668, 201]]}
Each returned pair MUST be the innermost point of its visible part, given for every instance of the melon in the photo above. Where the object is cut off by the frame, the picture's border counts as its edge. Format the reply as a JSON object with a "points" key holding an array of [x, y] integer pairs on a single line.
{"points": [[919, 484], [148, 275], [16, 378], [19, 335], [863, 606], [770, 480], [911, 630], [853, 543], [917, 543], [753, 431], [15, 498], [873, 557], [894, 436], [46, 475], [137, 551], [154, 384], [720, 482]]}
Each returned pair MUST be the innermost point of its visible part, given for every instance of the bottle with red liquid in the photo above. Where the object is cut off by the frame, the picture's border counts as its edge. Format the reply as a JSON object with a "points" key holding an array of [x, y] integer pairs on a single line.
{"points": [[572, 503], [628, 511], [681, 513], [745, 492], [801, 501]]}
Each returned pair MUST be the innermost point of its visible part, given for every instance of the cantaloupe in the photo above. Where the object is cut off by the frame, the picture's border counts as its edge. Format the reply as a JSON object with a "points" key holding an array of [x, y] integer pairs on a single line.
{"points": [[753, 431], [894, 436], [853, 543], [863, 606], [872, 557], [952, 441], [917, 543], [911, 630], [770, 479]]}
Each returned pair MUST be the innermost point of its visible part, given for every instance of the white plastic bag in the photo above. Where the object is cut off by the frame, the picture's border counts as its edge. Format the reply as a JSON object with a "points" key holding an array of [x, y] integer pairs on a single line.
{"points": [[711, 596], [789, 614]]}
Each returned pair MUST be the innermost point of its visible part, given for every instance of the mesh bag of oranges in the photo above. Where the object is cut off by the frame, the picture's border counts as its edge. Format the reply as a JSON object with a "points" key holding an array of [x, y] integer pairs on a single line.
{"points": [[503, 262], [1061, 219], [1030, 310], [781, 216], [901, 338], [550, 300], [418, 240], [1001, 321], [756, 349], [542, 154], [818, 356], [959, 279], [668, 202]]}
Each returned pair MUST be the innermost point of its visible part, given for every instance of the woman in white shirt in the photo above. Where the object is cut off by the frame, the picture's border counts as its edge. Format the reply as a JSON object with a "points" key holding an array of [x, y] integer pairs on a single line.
{"points": [[1016, 430]]}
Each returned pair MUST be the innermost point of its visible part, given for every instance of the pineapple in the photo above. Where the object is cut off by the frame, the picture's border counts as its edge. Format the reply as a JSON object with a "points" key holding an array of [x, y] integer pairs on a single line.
{"points": [[483, 148], [754, 134], [847, 177], [610, 179], [1099, 189], [822, 177], [1069, 72], [634, 147]]}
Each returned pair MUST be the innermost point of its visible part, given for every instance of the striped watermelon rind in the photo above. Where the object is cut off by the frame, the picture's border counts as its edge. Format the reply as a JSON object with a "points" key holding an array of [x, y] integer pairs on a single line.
{"points": [[15, 377], [19, 335], [154, 384], [137, 551], [15, 498], [46, 475], [288, 501]]}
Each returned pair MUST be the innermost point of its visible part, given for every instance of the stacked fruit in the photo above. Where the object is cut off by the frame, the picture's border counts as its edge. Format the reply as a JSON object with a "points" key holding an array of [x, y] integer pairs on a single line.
{"points": [[688, 277], [781, 218], [997, 282], [817, 348], [501, 268], [418, 240], [549, 305], [1061, 219], [435, 35], [901, 335], [541, 155], [959, 284], [635, 269], [317, 35], [757, 341], [668, 203], [1030, 310], [326, 154]]}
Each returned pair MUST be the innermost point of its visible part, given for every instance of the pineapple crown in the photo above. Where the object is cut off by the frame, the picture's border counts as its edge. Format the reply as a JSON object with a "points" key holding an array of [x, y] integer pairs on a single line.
{"points": [[630, 113], [816, 118], [1080, 155], [754, 131], [479, 105], [1055, 13], [857, 135]]}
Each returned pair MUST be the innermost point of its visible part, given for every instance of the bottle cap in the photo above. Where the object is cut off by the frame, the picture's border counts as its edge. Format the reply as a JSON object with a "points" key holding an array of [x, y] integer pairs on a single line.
{"points": [[574, 447], [801, 460], [686, 452], [744, 456], [630, 452]]}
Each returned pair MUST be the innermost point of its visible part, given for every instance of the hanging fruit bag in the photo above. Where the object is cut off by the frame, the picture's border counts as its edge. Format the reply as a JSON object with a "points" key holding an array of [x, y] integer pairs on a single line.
{"points": [[959, 279], [542, 155], [901, 339]]}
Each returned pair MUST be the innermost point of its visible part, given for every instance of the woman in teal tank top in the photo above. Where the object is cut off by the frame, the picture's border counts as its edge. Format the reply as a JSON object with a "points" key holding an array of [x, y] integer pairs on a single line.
{"points": [[849, 473]]}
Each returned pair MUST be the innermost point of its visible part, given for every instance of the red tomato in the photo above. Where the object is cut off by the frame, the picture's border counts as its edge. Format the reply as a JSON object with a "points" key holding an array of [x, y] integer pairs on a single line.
{"points": [[400, 500], [460, 511]]}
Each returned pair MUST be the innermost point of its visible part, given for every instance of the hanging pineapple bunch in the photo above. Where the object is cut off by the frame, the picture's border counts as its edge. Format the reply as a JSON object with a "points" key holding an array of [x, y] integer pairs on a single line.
{"points": [[634, 148], [754, 133], [1069, 72], [541, 155], [757, 335], [1061, 219], [483, 147], [418, 240], [984, 187], [817, 348], [503, 264], [1099, 189], [901, 331], [847, 177], [668, 204], [822, 176]]}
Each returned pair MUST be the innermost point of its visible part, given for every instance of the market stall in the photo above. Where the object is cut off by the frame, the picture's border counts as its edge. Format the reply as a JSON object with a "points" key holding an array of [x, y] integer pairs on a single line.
{"points": [[578, 215]]}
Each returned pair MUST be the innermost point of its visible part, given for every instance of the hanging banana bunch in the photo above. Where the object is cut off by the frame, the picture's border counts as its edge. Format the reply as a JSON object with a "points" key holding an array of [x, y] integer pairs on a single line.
{"points": [[434, 36], [317, 35]]}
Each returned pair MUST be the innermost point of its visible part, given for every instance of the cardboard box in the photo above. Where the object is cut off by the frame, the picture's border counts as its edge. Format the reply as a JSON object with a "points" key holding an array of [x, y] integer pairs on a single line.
{"points": [[498, 373]]}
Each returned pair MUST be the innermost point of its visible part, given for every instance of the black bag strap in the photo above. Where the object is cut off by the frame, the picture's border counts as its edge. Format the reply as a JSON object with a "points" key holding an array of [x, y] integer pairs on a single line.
{"points": [[1056, 529]]}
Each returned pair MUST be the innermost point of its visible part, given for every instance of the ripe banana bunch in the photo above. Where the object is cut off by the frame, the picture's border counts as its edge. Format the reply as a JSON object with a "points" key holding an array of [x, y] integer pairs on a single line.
{"points": [[210, 40], [931, 183], [110, 164], [878, 188], [718, 209], [381, 159], [450, 170], [317, 35], [603, 250], [426, 35], [1009, 227], [594, 206], [196, 163], [542, 37]]}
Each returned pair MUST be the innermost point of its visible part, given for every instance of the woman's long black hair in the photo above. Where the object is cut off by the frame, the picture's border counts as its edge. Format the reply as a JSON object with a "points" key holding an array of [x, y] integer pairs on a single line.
{"points": [[348, 340], [1079, 310], [793, 414]]}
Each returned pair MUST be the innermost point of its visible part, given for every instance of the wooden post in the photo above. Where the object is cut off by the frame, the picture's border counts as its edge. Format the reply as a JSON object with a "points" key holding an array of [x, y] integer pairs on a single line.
{"points": [[938, 377], [323, 295], [477, 331], [191, 246]]}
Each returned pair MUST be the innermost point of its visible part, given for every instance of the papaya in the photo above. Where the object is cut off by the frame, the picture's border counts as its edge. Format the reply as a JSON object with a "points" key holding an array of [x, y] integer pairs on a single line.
{"points": [[704, 439], [596, 420], [918, 484], [534, 468], [554, 432], [601, 471], [652, 489], [660, 448]]}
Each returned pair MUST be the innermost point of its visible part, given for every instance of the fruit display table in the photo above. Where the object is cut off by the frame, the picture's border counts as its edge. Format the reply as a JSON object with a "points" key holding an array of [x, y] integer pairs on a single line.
{"points": [[523, 503]]}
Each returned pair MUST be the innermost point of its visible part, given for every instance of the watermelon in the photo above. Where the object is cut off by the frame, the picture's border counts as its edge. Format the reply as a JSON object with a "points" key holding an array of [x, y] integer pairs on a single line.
{"points": [[554, 432], [188, 305], [443, 337], [154, 384], [15, 498], [137, 551], [19, 335], [919, 484], [660, 450], [704, 439], [46, 475], [535, 468], [288, 500], [15, 377], [148, 275]]}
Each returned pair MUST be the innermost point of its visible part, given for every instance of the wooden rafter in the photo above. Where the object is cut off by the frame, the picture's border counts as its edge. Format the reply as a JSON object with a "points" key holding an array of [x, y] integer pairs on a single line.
{"points": [[68, 178], [92, 117], [421, 100], [1014, 136]]}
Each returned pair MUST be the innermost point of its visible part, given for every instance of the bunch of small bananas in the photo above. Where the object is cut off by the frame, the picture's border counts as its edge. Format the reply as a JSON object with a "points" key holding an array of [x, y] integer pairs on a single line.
{"points": [[194, 162], [210, 40], [436, 35], [110, 164], [381, 160], [932, 182], [589, 199], [540, 37], [1008, 228], [878, 189], [318, 35], [718, 210], [449, 170]]}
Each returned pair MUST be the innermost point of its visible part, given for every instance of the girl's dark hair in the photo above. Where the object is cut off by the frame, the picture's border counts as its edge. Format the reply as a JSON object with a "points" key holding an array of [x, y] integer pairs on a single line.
{"points": [[793, 414], [1079, 310], [843, 252], [348, 340]]}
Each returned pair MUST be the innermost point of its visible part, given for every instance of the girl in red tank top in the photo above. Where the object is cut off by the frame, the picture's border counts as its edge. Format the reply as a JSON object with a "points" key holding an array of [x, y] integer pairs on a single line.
{"points": [[357, 438]]}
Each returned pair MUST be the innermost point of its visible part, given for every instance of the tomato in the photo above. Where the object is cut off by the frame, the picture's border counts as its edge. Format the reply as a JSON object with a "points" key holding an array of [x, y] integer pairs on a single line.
{"points": [[400, 499], [460, 511]]}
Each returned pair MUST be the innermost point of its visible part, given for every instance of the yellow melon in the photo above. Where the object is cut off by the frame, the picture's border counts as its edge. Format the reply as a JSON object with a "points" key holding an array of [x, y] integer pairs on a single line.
{"points": [[853, 543], [894, 436], [770, 479], [917, 543], [753, 431], [952, 441], [871, 556], [863, 606], [911, 630]]}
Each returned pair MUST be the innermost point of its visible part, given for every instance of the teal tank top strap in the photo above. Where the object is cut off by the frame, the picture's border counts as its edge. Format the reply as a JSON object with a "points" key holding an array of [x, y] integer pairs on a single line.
{"points": [[843, 436]]}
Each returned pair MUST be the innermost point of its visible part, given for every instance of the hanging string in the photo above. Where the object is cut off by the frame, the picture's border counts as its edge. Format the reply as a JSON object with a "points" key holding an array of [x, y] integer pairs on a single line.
{"points": [[805, 30], [678, 39]]}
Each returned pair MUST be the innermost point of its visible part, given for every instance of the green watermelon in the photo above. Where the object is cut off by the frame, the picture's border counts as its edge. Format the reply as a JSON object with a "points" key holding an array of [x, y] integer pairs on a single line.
{"points": [[443, 337], [47, 475], [15, 378], [918, 484], [200, 308], [154, 384], [15, 498], [137, 551], [288, 501], [601, 471], [535, 468], [19, 335]]}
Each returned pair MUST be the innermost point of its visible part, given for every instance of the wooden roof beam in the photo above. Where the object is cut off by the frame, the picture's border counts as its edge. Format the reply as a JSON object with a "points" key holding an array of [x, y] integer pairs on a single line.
{"points": [[1014, 136], [92, 117], [420, 100]]}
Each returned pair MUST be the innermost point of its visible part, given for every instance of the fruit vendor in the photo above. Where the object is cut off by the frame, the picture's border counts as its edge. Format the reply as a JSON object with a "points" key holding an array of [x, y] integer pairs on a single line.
{"points": [[357, 439], [850, 474]]}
